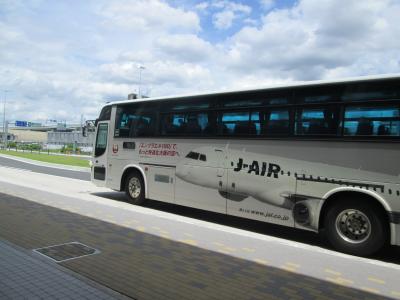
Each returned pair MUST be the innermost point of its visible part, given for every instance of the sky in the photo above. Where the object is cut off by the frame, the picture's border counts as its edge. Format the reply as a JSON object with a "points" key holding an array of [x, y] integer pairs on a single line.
{"points": [[63, 59]]}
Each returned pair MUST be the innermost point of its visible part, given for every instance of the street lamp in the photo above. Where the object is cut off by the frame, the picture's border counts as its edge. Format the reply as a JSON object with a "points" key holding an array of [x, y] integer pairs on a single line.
{"points": [[140, 67], [4, 119]]}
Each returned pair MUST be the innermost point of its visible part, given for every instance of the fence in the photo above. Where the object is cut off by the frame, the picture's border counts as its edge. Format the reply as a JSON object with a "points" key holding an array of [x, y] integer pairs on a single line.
{"points": [[61, 148]]}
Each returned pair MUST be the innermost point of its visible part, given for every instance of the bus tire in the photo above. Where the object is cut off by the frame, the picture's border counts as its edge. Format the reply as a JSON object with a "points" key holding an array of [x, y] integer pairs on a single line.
{"points": [[354, 226], [134, 188]]}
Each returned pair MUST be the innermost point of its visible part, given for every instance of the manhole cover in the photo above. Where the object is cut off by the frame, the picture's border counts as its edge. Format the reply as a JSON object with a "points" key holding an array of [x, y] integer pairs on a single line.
{"points": [[68, 251]]}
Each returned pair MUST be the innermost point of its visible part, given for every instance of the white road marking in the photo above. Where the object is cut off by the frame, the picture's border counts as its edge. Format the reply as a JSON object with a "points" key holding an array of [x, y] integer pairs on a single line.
{"points": [[18, 169]]}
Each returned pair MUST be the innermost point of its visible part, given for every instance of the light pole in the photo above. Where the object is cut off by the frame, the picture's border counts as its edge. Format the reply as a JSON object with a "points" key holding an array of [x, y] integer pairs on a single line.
{"points": [[140, 67], [4, 120]]}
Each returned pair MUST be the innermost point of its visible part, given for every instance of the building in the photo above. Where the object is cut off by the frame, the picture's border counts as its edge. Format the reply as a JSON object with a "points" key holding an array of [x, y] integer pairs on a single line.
{"points": [[28, 136], [10, 137], [62, 138]]}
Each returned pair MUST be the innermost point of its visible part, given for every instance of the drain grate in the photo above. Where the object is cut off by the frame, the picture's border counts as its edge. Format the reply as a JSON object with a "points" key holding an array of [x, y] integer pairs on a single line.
{"points": [[67, 251]]}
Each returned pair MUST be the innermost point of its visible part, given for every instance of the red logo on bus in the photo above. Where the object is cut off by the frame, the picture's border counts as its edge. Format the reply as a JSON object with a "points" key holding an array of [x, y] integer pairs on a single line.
{"points": [[115, 148]]}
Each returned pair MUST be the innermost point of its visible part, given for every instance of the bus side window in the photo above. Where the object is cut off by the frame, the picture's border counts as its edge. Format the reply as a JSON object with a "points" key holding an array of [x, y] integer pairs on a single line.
{"points": [[192, 126], [172, 124], [235, 123], [371, 121], [133, 121], [145, 125], [208, 123], [141, 124], [255, 123], [189, 124], [316, 121], [276, 122]]}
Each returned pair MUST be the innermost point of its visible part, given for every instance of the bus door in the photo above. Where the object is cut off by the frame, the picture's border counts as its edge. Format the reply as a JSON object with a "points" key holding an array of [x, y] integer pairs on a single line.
{"points": [[99, 168]]}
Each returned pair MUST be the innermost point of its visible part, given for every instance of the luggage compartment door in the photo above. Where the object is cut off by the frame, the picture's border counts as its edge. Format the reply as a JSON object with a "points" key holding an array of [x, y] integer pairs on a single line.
{"points": [[161, 183]]}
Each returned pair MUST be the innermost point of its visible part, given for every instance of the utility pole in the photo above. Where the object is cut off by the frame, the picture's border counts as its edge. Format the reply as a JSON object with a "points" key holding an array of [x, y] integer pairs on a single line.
{"points": [[4, 120], [140, 67]]}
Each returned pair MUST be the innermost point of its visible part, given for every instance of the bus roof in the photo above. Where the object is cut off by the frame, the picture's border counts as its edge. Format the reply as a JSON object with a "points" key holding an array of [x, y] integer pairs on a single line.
{"points": [[265, 88]]}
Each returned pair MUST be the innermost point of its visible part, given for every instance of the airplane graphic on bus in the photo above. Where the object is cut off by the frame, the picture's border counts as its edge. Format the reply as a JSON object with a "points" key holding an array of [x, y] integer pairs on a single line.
{"points": [[269, 179]]}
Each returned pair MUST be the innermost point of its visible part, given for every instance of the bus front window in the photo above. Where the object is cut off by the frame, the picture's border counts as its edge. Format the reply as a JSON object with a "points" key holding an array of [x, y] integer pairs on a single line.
{"points": [[101, 140]]}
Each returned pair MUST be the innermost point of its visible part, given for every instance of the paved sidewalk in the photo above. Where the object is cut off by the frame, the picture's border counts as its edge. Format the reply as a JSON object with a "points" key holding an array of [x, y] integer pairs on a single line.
{"points": [[24, 276]]}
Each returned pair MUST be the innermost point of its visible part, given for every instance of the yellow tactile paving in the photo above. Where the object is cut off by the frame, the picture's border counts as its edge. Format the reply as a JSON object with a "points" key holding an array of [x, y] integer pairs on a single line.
{"points": [[261, 261], [289, 269], [126, 224], [224, 251], [189, 242], [289, 266], [229, 249], [395, 293], [340, 280], [251, 250], [333, 272], [376, 280], [294, 265], [370, 290], [218, 244], [140, 228]]}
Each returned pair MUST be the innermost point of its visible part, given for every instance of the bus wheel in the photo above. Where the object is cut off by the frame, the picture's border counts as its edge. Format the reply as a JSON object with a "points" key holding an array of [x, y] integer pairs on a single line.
{"points": [[354, 227], [134, 188]]}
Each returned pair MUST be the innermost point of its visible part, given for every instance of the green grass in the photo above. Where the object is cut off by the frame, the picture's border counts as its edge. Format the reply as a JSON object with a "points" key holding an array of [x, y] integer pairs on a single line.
{"points": [[55, 159]]}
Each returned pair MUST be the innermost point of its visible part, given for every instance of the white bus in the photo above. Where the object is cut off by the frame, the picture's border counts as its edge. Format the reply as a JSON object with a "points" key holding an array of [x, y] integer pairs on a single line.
{"points": [[315, 156]]}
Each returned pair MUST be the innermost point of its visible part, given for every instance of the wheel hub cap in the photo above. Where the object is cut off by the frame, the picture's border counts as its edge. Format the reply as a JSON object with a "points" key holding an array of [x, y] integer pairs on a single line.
{"points": [[353, 226], [134, 187]]}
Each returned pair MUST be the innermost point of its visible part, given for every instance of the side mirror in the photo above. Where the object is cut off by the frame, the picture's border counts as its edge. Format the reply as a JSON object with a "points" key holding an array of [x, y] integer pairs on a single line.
{"points": [[84, 131]]}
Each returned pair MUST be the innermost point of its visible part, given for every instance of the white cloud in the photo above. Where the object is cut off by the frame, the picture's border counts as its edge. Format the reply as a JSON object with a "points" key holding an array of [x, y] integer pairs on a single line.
{"points": [[233, 6], [8, 34], [312, 39], [148, 15], [160, 76], [202, 6], [224, 19], [230, 12], [250, 22], [267, 4], [186, 47]]}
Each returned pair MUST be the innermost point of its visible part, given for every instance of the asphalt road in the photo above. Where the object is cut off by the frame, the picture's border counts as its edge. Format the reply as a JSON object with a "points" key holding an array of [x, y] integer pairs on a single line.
{"points": [[11, 163]]}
